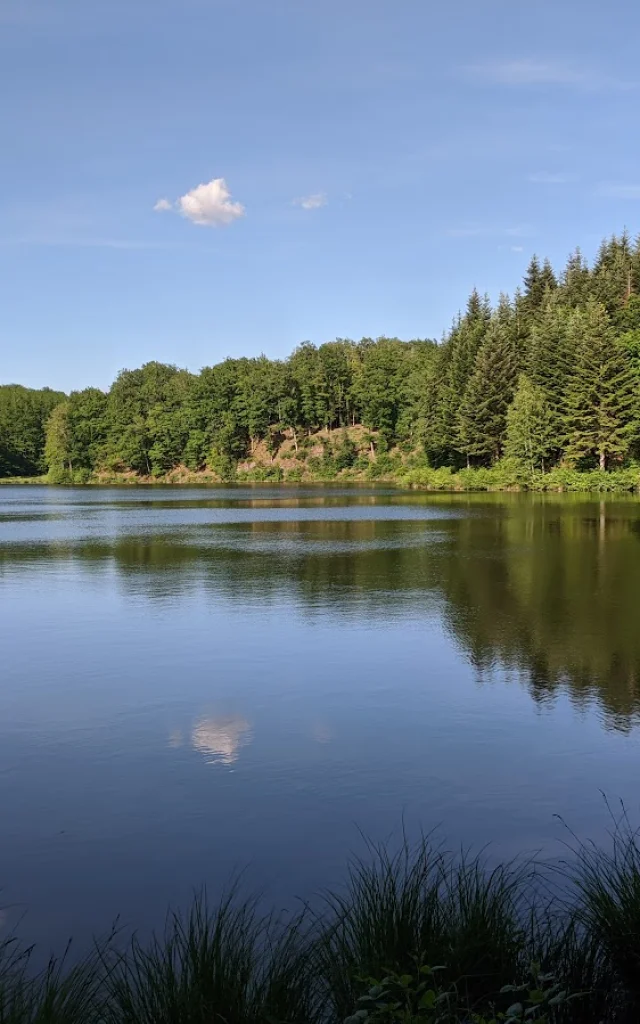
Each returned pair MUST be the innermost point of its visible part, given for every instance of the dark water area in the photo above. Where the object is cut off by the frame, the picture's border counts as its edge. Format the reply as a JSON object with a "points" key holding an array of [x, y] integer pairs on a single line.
{"points": [[195, 681]]}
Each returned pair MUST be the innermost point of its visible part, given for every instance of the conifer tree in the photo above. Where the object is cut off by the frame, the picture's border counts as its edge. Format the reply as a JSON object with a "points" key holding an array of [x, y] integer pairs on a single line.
{"points": [[530, 437], [601, 399], [576, 281], [483, 412], [549, 364], [539, 282], [612, 276], [456, 363], [548, 278]]}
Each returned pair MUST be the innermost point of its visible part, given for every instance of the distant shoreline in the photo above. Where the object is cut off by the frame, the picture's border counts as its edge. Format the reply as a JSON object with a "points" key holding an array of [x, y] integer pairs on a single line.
{"points": [[499, 478]]}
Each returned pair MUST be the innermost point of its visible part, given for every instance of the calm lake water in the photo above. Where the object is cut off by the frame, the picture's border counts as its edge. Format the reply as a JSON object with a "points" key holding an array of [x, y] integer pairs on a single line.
{"points": [[199, 680]]}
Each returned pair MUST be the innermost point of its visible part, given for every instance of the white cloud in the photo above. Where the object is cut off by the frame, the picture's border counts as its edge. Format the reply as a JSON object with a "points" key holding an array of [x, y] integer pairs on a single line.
{"points": [[209, 204], [545, 178], [313, 202], [527, 71], [618, 191], [517, 248]]}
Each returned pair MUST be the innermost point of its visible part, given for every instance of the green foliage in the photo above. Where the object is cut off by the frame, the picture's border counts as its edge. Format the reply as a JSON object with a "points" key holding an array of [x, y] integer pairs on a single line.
{"points": [[574, 335], [420, 996], [529, 437], [539, 282], [345, 454], [601, 400], [509, 474], [222, 464], [421, 905], [482, 418], [404, 998], [549, 364], [262, 474], [23, 417], [57, 450]]}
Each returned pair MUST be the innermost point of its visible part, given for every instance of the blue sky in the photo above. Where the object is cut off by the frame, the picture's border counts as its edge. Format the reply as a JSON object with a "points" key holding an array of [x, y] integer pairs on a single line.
{"points": [[378, 159]]}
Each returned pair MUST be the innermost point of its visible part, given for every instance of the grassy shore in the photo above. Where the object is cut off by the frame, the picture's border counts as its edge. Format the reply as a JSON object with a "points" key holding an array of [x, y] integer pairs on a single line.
{"points": [[414, 936], [13, 480], [501, 477], [507, 477]]}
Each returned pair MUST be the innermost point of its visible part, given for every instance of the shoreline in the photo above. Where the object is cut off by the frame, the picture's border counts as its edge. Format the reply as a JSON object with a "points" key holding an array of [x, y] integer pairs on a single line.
{"points": [[372, 943], [497, 479]]}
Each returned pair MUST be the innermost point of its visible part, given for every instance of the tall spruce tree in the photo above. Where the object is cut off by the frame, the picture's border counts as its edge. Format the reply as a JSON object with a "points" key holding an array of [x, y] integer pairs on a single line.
{"points": [[612, 276], [601, 394], [549, 364], [575, 283], [530, 436], [539, 282], [462, 347], [482, 418]]}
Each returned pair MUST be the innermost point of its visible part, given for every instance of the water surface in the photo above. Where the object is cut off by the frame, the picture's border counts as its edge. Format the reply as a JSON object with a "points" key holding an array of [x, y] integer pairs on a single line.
{"points": [[197, 680]]}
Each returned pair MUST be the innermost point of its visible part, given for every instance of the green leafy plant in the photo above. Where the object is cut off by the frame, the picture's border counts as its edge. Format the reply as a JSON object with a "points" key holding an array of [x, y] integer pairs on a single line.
{"points": [[422, 996], [403, 998]]}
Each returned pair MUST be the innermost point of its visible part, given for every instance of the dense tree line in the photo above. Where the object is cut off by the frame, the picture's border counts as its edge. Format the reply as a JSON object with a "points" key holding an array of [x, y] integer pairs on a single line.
{"points": [[24, 414], [550, 375], [157, 417]]}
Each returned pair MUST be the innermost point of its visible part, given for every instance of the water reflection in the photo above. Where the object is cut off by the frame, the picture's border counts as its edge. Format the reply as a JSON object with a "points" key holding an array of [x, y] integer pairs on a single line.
{"points": [[544, 586], [221, 739]]}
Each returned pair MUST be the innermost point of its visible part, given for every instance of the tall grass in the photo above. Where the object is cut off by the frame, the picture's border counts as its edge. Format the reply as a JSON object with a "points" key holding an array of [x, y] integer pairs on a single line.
{"points": [[606, 883], [389, 911], [424, 906], [57, 994], [397, 914], [229, 965]]}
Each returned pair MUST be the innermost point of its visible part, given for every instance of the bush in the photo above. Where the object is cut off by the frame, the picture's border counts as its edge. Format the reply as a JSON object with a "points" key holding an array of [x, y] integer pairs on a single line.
{"points": [[420, 996], [261, 474], [510, 475], [58, 475], [222, 465]]}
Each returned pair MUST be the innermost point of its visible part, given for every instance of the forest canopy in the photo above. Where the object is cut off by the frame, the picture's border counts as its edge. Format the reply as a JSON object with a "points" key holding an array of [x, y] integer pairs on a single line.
{"points": [[548, 376]]}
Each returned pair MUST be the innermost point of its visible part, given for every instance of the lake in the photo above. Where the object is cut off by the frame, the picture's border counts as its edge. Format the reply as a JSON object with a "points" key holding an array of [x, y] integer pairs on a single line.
{"points": [[197, 681]]}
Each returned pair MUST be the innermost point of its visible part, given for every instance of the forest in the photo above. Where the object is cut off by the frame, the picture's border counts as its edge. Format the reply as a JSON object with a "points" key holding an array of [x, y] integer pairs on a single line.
{"points": [[548, 377]]}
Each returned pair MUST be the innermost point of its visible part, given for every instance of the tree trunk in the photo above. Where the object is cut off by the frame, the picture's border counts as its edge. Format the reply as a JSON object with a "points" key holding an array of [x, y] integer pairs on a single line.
{"points": [[468, 461], [603, 461]]}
